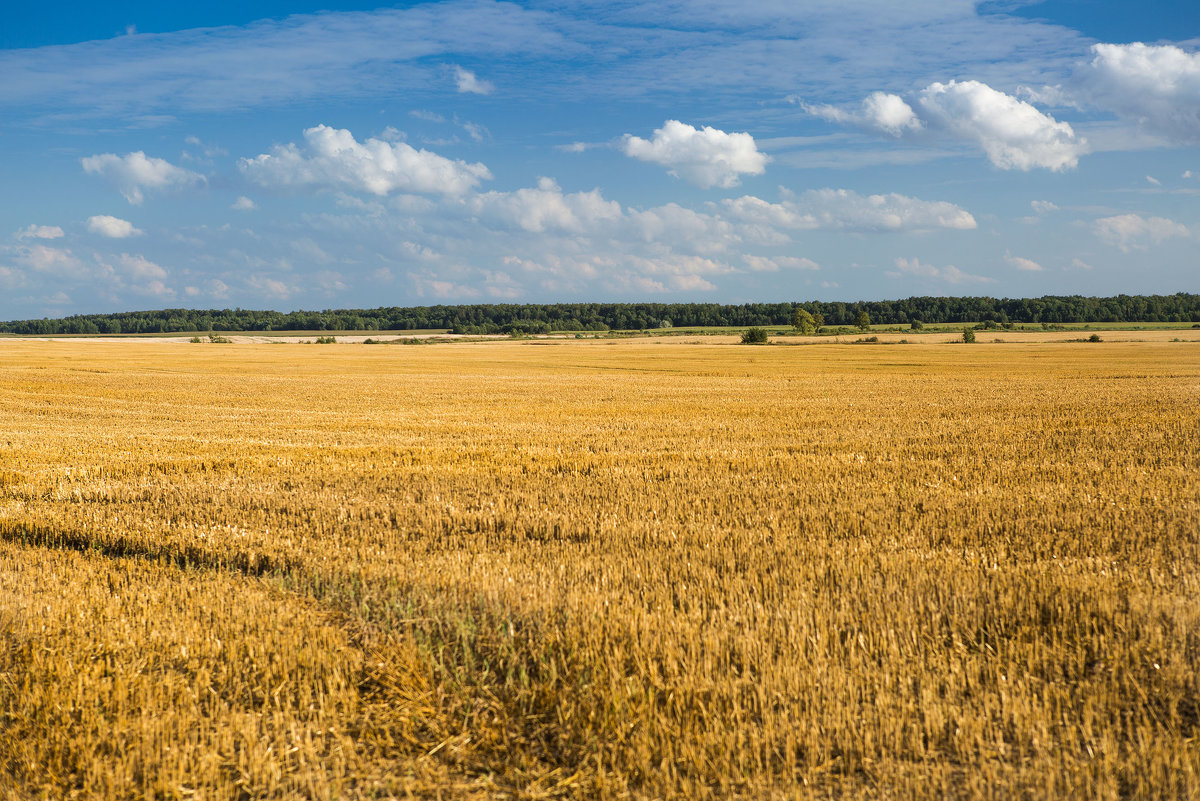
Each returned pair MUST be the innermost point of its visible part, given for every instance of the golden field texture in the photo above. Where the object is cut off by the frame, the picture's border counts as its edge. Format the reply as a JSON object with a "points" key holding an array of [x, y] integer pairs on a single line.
{"points": [[593, 569]]}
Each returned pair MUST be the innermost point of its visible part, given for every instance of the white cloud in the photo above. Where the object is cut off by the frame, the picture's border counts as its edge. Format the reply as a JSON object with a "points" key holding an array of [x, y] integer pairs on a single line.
{"points": [[1157, 86], [11, 278], [1027, 265], [40, 232], [243, 203], [880, 111], [1150, 179], [706, 157], [1134, 232], [271, 287], [146, 277], [112, 227], [845, 209], [475, 131], [215, 288], [207, 150], [466, 82], [948, 274], [546, 207], [333, 158], [1014, 134], [427, 116], [1043, 206], [683, 228], [55, 261], [1079, 264], [760, 264], [135, 172]]}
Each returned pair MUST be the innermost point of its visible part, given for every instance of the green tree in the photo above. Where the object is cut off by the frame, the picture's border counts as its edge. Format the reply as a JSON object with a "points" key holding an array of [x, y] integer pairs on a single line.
{"points": [[968, 335], [862, 320], [916, 325], [804, 322], [754, 336]]}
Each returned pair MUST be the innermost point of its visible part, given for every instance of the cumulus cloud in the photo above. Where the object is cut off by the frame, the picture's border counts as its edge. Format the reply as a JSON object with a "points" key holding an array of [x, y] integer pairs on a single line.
{"points": [[706, 157], [332, 158], [135, 172], [44, 259], [1158, 86], [1028, 265], [846, 209], [1134, 232], [466, 82], [547, 208], [146, 277], [1013, 134], [880, 111], [112, 227], [40, 232], [1043, 206], [948, 274], [243, 203], [684, 227]]}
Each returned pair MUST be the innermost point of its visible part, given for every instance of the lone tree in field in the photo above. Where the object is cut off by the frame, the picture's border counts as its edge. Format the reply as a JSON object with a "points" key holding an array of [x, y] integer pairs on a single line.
{"points": [[968, 335], [862, 320], [804, 322], [754, 336]]}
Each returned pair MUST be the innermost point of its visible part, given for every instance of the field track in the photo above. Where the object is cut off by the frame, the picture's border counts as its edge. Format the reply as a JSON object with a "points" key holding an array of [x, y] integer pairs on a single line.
{"points": [[678, 568]]}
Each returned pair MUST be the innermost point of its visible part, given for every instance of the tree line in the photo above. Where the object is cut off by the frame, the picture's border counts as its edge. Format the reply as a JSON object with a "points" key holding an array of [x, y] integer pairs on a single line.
{"points": [[488, 318]]}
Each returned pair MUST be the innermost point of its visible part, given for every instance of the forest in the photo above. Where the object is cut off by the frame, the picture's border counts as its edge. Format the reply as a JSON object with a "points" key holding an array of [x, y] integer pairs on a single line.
{"points": [[488, 318]]}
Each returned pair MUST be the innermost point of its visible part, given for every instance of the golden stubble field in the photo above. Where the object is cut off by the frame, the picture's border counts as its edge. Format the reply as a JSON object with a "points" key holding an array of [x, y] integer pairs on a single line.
{"points": [[596, 569]]}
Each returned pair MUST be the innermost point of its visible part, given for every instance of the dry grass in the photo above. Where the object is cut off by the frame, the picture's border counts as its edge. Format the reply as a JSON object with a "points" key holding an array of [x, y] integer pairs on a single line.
{"points": [[599, 569]]}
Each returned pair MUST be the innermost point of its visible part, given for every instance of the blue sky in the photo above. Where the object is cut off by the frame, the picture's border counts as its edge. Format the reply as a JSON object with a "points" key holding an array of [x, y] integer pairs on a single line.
{"points": [[312, 155]]}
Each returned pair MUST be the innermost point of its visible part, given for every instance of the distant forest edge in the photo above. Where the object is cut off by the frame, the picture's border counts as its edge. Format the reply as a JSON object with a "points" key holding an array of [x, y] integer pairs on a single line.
{"points": [[487, 318]]}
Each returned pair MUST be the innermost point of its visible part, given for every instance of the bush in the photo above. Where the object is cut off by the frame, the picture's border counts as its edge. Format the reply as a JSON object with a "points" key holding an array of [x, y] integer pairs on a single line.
{"points": [[1095, 338], [326, 340], [916, 325], [968, 335], [754, 336]]}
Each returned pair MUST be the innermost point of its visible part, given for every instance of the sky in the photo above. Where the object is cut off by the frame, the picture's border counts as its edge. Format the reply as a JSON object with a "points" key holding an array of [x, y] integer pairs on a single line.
{"points": [[313, 155]]}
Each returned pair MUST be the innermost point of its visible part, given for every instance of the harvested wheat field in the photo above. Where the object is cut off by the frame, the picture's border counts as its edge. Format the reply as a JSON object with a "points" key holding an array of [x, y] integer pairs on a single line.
{"points": [[598, 569]]}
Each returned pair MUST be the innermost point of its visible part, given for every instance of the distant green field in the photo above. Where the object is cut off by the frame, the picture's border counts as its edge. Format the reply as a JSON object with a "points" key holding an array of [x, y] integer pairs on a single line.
{"points": [[931, 328], [774, 330]]}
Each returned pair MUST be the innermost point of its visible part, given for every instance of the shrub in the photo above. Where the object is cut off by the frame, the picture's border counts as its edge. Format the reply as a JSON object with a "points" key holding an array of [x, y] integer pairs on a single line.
{"points": [[1095, 338], [968, 335], [916, 325], [754, 336], [326, 340]]}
